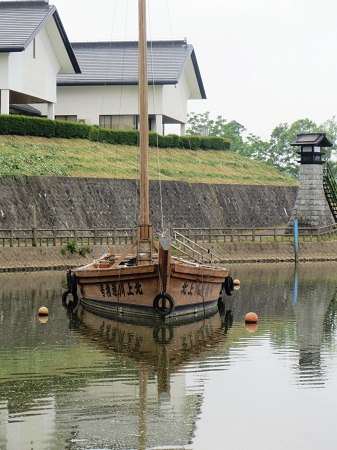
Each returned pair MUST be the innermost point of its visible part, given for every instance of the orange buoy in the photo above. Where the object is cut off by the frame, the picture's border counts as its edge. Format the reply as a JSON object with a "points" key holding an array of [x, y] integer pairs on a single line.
{"points": [[43, 311], [251, 327], [251, 317], [43, 319]]}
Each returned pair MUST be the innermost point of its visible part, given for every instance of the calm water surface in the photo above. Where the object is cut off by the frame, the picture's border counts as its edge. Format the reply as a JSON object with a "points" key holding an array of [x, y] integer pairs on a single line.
{"points": [[77, 381]]}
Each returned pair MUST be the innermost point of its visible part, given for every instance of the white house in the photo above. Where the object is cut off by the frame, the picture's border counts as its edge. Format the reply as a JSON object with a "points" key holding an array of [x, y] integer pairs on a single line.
{"points": [[106, 91], [34, 48], [41, 73]]}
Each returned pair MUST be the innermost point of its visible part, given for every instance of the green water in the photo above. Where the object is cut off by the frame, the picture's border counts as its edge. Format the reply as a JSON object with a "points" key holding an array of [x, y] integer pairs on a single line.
{"points": [[77, 381]]}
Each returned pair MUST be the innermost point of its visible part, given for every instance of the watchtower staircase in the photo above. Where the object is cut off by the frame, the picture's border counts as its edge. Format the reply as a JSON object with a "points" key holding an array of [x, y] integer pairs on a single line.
{"points": [[330, 189]]}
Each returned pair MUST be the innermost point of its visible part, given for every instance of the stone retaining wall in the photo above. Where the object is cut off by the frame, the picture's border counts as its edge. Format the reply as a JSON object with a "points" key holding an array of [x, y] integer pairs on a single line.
{"points": [[83, 203]]}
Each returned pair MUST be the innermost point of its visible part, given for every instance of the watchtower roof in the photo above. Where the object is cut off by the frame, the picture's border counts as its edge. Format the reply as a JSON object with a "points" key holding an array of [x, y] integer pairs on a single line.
{"points": [[315, 139]]}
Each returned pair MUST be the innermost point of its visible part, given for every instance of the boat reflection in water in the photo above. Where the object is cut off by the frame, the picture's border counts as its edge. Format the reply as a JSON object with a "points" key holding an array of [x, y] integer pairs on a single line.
{"points": [[159, 356]]}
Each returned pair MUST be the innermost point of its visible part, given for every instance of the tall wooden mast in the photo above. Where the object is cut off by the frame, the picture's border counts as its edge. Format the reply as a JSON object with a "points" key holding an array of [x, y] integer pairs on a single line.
{"points": [[144, 122]]}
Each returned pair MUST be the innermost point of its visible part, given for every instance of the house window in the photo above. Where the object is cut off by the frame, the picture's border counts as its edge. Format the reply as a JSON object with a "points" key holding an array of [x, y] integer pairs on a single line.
{"points": [[67, 118], [118, 122]]}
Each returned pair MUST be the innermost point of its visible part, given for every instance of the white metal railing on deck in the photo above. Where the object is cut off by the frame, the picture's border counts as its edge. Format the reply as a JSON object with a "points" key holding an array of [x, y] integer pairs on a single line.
{"points": [[193, 250]]}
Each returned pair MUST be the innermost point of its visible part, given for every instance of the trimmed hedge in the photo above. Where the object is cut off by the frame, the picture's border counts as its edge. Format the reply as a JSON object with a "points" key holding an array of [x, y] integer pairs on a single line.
{"points": [[71, 130], [33, 126], [160, 140], [27, 126], [176, 141], [191, 142], [127, 137], [215, 143], [98, 134]]}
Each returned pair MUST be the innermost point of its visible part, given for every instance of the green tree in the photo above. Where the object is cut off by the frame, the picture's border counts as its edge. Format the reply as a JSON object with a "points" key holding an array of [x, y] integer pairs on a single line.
{"points": [[255, 148], [282, 153], [330, 128], [279, 152], [202, 125]]}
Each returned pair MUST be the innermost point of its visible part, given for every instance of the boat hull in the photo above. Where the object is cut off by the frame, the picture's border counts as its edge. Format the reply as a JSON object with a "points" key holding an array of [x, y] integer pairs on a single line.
{"points": [[134, 291]]}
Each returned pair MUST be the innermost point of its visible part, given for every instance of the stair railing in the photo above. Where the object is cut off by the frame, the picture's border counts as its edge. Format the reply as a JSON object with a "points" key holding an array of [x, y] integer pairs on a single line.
{"points": [[193, 250], [330, 188]]}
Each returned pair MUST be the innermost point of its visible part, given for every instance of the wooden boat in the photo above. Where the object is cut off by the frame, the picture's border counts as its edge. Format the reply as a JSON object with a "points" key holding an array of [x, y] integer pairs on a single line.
{"points": [[146, 280]]}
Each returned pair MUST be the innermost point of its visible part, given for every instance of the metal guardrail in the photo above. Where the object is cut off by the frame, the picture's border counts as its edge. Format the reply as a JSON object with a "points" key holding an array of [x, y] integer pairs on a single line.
{"points": [[115, 236], [193, 250], [330, 189]]}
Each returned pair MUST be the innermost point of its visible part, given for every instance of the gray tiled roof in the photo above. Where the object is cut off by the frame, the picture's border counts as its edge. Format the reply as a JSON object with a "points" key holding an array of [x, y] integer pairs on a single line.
{"points": [[21, 21], [116, 63]]}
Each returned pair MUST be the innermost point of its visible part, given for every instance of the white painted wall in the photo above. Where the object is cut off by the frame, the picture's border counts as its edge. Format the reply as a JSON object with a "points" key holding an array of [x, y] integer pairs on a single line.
{"points": [[4, 70], [39, 74], [175, 100], [89, 102], [21, 72]]}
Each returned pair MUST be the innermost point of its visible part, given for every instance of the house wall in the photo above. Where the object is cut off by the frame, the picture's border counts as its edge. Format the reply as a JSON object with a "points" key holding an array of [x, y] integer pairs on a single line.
{"points": [[89, 102], [35, 77], [175, 100], [4, 70]]}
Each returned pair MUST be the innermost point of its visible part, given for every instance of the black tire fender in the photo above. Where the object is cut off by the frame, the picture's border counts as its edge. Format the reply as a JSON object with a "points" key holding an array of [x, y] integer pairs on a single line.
{"points": [[163, 334], [229, 285], [72, 284], [163, 299]]}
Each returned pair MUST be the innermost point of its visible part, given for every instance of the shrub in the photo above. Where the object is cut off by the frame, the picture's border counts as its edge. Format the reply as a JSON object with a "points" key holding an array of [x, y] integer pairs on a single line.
{"points": [[69, 247], [176, 140], [153, 139], [191, 142], [99, 134], [94, 133], [71, 130], [159, 140], [128, 137], [26, 126], [165, 141], [215, 143], [36, 126], [83, 251]]}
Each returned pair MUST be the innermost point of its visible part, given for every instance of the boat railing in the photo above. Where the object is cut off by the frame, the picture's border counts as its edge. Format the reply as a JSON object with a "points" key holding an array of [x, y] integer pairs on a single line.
{"points": [[192, 250]]}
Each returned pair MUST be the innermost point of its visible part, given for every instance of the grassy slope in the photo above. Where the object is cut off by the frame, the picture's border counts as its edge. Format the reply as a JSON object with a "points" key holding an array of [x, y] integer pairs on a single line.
{"points": [[81, 158]]}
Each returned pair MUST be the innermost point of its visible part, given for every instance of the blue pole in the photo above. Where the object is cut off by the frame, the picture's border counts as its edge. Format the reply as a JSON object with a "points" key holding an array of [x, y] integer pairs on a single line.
{"points": [[295, 285], [295, 224]]}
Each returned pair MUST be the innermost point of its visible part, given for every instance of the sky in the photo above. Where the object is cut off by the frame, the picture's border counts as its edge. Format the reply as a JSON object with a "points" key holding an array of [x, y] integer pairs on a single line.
{"points": [[262, 62]]}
